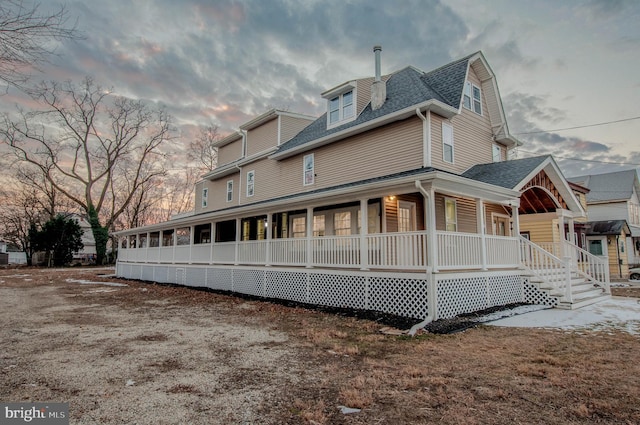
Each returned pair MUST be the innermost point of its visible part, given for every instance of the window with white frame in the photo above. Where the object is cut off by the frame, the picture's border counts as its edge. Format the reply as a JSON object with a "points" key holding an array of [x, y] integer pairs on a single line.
{"points": [[342, 223], [451, 215], [205, 197], [447, 142], [308, 170], [229, 190], [298, 229], [497, 153], [250, 183], [318, 225], [406, 216], [341, 108], [472, 98]]}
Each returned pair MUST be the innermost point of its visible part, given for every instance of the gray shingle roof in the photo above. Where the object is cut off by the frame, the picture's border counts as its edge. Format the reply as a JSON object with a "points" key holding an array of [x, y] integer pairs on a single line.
{"points": [[505, 174], [405, 88], [609, 186]]}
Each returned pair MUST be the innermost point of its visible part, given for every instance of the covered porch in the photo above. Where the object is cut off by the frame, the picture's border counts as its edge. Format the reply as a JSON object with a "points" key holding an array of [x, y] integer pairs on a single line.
{"points": [[437, 224]]}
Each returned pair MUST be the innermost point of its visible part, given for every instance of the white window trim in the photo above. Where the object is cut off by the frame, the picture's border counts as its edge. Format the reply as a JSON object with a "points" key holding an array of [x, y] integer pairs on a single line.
{"points": [[229, 190], [341, 119], [453, 156], [468, 92], [411, 206], [493, 147], [446, 219], [205, 197], [304, 170], [503, 216], [251, 183]]}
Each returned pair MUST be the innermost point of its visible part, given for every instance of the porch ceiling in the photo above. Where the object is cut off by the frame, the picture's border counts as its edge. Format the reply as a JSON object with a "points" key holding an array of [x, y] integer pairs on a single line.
{"points": [[536, 201]]}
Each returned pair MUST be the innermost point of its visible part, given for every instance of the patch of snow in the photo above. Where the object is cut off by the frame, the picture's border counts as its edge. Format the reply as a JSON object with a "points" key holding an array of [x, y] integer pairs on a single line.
{"points": [[89, 282], [18, 275], [618, 313], [348, 410], [130, 383]]}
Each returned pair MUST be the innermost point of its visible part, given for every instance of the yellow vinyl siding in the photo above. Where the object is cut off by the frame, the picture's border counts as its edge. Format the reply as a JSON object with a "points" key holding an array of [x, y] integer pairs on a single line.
{"points": [[541, 227], [262, 138], [363, 89], [290, 126], [618, 264], [391, 210], [494, 209], [465, 214], [472, 137], [218, 192], [229, 153]]}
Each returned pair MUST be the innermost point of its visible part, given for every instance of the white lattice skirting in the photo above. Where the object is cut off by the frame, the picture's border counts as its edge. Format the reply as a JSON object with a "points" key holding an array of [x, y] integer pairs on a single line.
{"points": [[468, 292], [403, 294]]}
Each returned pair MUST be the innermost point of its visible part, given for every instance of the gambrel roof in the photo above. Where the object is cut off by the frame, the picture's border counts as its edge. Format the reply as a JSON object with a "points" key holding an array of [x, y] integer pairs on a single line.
{"points": [[440, 91], [608, 187]]}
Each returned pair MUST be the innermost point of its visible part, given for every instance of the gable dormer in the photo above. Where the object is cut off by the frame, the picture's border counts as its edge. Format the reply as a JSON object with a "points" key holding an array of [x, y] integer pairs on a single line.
{"points": [[341, 104]]}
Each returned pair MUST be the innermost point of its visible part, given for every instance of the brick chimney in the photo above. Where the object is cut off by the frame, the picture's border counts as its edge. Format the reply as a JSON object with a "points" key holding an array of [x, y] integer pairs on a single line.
{"points": [[379, 87]]}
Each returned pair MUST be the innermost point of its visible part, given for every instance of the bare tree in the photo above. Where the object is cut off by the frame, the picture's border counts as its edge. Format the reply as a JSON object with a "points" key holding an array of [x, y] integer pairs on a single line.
{"points": [[26, 35], [202, 150], [94, 148]]}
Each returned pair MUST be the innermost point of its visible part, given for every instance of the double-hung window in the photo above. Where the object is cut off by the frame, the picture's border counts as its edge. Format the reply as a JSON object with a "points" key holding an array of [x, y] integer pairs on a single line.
{"points": [[447, 142], [472, 98], [250, 183], [308, 169], [451, 215], [497, 153], [205, 197], [229, 190], [341, 108]]}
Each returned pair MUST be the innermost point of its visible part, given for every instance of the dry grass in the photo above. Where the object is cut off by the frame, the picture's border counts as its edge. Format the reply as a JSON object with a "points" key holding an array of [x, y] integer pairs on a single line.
{"points": [[485, 375]]}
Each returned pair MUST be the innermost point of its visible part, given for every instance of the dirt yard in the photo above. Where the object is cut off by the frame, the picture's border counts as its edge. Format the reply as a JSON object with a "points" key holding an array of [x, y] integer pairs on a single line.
{"points": [[154, 354]]}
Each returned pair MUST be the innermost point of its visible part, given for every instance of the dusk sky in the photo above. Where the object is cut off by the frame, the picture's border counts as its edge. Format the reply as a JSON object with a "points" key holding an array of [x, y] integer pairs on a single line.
{"points": [[558, 64]]}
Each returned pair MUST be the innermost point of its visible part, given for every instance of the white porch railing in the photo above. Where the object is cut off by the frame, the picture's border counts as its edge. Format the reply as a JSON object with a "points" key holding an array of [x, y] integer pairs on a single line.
{"points": [[555, 272], [392, 251], [341, 251], [592, 267], [289, 252], [397, 250]]}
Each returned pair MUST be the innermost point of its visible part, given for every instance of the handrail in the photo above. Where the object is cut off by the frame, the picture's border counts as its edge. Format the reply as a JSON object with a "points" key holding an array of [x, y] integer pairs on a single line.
{"points": [[589, 266], [551, 269]]}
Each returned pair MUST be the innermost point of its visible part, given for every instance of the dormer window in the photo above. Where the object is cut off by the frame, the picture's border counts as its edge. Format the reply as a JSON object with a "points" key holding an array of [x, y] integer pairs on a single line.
{"points": [[341, 108], [472, 99]]}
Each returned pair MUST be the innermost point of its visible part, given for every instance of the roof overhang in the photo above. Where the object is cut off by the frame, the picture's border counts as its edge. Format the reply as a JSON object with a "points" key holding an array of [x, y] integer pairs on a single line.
{"points": [[562, 185], [234, 167], [440, 181], [436, 106]]}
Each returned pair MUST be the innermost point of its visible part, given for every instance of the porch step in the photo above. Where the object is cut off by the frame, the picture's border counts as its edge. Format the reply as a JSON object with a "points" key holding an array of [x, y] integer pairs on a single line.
{"points": [[583, 302]]}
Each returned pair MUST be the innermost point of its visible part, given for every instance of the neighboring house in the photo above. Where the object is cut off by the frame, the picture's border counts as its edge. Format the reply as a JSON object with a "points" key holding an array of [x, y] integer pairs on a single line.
{"points": [[88, 253], [398, 199], [615, 196], [4, 256]]}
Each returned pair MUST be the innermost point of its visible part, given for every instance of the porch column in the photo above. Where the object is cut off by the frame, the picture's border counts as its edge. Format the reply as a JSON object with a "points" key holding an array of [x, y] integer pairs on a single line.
{"points": [[212, 242], [146, 248], [309, 229], [191, 240], [563, 237], [516, 220], [364, 231], [238, 238], [481, 229], [432, 238], [572, 240], [174, 239], [267, 253]]}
